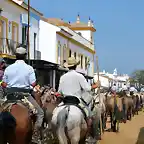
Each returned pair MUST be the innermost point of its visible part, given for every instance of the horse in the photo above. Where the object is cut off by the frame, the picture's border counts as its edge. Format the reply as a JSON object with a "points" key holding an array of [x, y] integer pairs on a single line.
{"points": [[136, 104], [16, 123], [114, 108], [100, 109], [127, 107], [70, 123], [48, 101]]}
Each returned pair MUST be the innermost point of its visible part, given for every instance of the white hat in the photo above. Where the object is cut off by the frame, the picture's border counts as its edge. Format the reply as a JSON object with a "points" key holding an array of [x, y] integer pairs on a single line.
{"points": [[71, 62], [21, 50]]}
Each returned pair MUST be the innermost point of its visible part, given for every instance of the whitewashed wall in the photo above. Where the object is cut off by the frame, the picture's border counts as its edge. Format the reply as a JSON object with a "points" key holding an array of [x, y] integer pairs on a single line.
{"points": [[47, 41], [86, 34], [12, 13]]}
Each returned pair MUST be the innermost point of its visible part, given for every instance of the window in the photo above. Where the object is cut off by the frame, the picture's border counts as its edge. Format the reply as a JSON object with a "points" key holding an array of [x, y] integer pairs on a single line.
{"points": [[24, 34], [59, 53], [86, 62], [64, 52], [3, 34], [75, 55], [35, 37], [81, 61], [69, 53]]}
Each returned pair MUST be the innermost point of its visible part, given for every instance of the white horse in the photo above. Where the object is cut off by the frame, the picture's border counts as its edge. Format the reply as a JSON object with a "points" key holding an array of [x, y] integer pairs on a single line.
{"points": [[70, 123]]}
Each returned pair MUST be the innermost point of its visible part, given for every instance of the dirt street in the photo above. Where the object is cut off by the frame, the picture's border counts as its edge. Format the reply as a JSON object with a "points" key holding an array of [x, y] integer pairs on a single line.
{"points": [[130, 133]]}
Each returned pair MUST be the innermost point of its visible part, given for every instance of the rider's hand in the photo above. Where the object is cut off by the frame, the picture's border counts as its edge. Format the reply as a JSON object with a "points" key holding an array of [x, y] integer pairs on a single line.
{"points": [[94, 86], [57, 94]]}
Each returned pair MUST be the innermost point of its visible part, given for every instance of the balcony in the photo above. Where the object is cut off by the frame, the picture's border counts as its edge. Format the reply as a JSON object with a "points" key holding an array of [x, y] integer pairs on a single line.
{"points": [[7, 47]]}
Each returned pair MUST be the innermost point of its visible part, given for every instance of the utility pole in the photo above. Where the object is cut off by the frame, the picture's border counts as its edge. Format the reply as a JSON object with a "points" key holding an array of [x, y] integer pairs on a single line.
{"points": [[28, 33]]}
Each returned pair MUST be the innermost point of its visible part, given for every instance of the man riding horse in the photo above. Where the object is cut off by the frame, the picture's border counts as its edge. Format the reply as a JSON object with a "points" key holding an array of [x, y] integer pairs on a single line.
{"points": [[22, 75], [72, 86], [2, 67]]}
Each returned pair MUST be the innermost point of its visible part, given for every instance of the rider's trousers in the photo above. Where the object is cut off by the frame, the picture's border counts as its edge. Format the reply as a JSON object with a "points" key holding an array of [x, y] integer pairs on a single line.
{"points": [[40, 113]]}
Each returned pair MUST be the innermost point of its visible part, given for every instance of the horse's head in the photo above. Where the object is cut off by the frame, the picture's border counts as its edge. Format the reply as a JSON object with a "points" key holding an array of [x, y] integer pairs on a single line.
{"points": [[48, 95]]}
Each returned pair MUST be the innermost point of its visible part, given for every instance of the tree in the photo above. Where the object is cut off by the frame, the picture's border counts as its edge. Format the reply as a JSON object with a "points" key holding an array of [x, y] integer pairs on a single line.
{"points": [[137, 77]]}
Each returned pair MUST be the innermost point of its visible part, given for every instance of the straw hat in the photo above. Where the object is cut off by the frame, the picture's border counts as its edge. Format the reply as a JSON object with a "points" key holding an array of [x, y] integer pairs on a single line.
{"points": [[71, 62], [21, 50]]}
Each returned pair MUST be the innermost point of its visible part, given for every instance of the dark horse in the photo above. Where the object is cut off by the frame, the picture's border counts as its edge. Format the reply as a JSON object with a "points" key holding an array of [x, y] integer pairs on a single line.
{"points": [[16, 123]]}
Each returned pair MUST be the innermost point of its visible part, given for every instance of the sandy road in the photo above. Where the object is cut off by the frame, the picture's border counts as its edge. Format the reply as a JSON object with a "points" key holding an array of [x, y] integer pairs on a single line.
{"points": [[130, 133]]}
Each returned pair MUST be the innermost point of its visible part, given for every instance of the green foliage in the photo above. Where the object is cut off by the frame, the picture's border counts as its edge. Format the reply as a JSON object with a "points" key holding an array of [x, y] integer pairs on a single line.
{"points": [[137, 77]]}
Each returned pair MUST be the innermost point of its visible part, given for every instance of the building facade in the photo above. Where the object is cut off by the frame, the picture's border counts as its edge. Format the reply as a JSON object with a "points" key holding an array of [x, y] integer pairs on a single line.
{"points": [[13, 28], [59, 40], [108, 79]]}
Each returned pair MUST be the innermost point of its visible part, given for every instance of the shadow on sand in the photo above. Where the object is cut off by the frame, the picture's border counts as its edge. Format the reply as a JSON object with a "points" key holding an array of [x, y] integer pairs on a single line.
{"points": [[140, 139]]}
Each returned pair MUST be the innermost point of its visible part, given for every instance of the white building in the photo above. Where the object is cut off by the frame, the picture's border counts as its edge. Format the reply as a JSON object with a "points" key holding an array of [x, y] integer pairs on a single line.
{"points": [[108, 79], [13, 28], [58, 40]]}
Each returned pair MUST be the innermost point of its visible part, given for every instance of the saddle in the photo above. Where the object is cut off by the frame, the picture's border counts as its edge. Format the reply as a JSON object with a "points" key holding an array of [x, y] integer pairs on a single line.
{"points": [[16, 96], [72, 100]]}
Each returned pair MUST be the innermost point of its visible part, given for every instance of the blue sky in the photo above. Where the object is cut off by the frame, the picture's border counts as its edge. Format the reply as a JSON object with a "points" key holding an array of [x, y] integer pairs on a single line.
{"points": [[119, 39]]}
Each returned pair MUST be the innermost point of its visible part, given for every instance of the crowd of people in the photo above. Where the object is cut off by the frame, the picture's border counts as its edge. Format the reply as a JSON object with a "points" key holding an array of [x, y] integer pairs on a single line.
{"points": [[72, 85]]}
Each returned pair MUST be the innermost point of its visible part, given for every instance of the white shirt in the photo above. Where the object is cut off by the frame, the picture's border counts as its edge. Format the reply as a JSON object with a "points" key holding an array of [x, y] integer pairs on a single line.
{"points": [[142, 89], [124, 87], [114, 88], [20, 75], [73, 84], [132, 89]]}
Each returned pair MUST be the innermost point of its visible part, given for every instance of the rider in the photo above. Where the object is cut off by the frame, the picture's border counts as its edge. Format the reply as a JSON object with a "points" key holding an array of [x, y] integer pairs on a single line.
{"points": [[124, 88], [142, 89], [74, 84], [132, 90], [114, 89], [22, 75], [2, 67]]}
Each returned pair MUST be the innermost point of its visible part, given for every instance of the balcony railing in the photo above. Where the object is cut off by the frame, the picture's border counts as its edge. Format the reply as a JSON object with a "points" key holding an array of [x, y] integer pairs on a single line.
{"points": [[8, 46]]}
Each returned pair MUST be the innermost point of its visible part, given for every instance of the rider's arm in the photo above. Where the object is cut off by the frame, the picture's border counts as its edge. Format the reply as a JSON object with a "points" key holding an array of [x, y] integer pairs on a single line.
{"points": [[32, 77], [5, 79], [59, 88], [84, 84]]}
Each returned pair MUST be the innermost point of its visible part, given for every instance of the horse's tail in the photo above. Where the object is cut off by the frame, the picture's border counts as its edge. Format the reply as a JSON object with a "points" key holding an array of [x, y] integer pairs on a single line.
{"points": [[61, 124], [7, 125]]}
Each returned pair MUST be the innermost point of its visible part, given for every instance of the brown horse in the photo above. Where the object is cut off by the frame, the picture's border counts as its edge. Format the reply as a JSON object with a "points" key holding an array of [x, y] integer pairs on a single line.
{"points": [[48, 101], [114, 108], [127, 107], [16, 125]]}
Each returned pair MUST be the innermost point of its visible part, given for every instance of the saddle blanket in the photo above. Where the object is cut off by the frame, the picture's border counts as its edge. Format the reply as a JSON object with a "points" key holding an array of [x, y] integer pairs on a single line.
{"points": [[6, 106]]}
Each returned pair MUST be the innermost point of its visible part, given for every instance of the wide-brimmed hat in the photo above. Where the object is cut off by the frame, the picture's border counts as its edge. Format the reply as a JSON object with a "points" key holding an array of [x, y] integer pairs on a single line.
{"points": [[71, 62], [21, 50]]}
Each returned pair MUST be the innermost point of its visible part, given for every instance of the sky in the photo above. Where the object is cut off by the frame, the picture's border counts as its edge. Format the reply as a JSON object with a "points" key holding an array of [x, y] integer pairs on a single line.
{"points": [[119, 39]]}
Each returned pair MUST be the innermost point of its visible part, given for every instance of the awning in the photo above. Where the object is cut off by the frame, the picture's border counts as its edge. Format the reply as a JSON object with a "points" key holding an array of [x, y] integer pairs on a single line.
{"points": [[38, 64]]}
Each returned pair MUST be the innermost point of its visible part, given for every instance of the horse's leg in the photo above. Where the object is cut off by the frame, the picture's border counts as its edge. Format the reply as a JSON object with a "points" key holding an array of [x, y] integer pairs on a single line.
{"points": [[111, 120], [103, 122], [117, 127], [82, 141], [74, 135]]}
